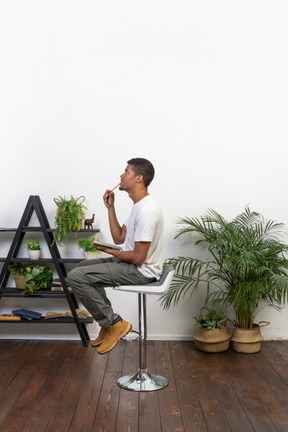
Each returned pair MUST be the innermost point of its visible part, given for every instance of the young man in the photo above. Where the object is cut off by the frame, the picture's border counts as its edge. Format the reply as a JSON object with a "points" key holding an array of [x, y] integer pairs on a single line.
{"points": [[139, 262]]}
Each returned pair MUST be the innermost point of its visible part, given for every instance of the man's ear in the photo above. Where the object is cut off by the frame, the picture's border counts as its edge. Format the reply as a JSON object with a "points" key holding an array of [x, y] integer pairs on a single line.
{"points": [[140, 178]]}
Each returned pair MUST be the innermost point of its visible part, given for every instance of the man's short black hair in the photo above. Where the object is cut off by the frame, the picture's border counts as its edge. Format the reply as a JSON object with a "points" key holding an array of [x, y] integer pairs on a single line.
{"points": [[143, 167]]}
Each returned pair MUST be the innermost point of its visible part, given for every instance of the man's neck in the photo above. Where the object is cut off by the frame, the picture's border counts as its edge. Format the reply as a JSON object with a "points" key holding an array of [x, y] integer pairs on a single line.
{"points": [[137, 195]]}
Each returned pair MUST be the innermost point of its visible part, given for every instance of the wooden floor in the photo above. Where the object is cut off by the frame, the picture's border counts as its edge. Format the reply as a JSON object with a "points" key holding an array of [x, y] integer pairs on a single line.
{"points": [[63, 386]]}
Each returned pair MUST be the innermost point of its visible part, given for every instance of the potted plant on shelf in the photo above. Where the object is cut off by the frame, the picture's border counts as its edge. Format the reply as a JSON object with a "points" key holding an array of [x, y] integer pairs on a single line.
{"points": [[212, 334], [90, 251], [34, 277], [33, 249], [19, 271], [69, 216], [246, 268]]}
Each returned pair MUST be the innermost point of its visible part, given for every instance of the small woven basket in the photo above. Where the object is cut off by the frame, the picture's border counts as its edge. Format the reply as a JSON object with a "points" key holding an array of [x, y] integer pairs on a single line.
{"points": [[247, 340], [214, 340], [20, 282]]}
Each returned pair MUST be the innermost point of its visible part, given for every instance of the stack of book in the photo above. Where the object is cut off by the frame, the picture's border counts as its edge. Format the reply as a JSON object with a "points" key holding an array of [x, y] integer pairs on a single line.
{"points": [[27, 314]]}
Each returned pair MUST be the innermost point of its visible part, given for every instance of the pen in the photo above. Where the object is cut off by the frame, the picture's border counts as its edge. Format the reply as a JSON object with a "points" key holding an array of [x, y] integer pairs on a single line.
{"points": [[114, 188]]}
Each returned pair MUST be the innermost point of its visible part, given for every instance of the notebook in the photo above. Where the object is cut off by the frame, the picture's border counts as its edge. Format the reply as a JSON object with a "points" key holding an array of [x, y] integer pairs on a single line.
{"points": [[108, 245]]}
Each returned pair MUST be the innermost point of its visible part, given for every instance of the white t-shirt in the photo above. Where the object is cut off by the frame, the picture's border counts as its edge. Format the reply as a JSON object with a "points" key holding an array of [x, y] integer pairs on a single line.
{"points": [[145, 223]]}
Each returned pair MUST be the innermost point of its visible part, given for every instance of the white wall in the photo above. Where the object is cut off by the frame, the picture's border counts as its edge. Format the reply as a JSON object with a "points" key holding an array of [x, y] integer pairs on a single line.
{"points": [[198, 87]]}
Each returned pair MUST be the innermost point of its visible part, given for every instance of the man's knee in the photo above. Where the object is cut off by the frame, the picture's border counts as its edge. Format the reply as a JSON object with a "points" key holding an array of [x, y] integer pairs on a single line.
{"points": [[74, 276]]}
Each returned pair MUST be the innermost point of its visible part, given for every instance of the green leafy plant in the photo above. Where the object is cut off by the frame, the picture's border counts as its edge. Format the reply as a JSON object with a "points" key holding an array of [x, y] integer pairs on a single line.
{"points": [[69, 216], [246, 265], [36, 276], [85, 244], [33, 245], [212, 319], [18, 269]]}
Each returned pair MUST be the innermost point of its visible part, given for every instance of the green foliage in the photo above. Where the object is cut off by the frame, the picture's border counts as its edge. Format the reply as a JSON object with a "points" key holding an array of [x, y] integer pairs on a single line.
{"points": [[36, 276], [212, 319], [17, 269], [68, 218], [33, 245], [85, 243], [246, 267]]}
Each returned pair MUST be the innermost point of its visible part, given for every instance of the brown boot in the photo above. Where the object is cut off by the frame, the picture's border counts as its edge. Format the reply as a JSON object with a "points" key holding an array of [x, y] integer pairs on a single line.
{"points": [[113, 334], [98, 341]]}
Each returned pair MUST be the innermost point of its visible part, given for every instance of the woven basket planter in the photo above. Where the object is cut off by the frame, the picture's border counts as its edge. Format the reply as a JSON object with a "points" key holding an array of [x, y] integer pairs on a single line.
{"points": [[20, 282], [247, 340], [213, 341]]}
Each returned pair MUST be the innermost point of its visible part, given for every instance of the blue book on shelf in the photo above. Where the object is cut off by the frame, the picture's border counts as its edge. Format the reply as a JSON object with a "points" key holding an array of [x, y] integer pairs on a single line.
{"points": [[27, 314]]}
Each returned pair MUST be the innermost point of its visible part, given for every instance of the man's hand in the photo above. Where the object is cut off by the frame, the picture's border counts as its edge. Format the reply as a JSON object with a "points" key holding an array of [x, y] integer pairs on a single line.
{"points": [[103, 249], [109, 198], [98, 247]]}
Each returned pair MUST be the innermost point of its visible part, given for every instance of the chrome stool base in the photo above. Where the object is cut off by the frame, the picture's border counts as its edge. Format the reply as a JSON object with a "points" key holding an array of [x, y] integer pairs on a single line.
{"points": [[142, 381]]}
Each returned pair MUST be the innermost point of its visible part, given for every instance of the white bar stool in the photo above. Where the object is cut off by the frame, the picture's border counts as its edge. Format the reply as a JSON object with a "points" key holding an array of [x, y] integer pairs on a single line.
{"points": [[142, 380]]}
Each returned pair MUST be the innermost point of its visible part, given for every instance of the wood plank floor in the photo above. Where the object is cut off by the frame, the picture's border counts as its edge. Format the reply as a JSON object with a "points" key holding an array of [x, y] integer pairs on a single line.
{"points": [[63, 386]]}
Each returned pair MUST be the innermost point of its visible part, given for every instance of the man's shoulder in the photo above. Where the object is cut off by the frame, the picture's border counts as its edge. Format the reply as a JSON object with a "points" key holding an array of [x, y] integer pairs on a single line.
{"points": [[148, 200], [149, 211], [149, 203]]}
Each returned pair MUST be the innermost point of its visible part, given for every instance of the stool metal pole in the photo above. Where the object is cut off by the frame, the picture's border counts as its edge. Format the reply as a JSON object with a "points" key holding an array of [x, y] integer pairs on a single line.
{"points": [[142, 331], [142, 380]]}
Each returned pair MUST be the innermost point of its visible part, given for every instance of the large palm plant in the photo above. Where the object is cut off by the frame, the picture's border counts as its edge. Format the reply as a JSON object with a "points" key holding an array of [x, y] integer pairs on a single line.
{"points": [[247, 264]]}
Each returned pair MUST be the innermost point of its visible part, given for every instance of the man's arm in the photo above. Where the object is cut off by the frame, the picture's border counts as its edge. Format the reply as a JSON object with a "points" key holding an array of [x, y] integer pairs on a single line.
{"points": [[118, 233]]}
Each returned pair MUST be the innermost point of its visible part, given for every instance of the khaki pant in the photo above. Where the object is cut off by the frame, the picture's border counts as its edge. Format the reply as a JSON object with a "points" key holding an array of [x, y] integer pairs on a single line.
{"points": [[90, 277]]}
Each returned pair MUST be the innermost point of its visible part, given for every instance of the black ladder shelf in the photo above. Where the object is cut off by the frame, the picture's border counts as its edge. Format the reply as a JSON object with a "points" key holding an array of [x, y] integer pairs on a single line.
{"points": [[34, 204]]}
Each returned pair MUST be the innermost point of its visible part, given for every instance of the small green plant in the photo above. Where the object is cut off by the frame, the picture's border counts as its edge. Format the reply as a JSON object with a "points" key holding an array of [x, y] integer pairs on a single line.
{"points": [[36, 276], [212, 319], [33, 245], [85, 243], [68, 217]]}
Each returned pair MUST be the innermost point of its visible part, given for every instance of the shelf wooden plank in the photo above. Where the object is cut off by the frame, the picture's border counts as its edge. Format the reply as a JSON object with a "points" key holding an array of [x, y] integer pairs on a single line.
{"points": [[39, 229], [43, 320], [45, 260], [14, 292]]}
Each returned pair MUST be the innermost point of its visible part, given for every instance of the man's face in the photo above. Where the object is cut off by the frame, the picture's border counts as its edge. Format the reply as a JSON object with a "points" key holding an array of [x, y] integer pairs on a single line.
{"points": [[128, 179]]}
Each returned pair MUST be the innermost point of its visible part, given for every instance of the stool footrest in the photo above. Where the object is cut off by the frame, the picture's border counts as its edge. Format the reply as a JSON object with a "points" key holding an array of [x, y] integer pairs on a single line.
{"points": [[142, 381], [128, 338]]}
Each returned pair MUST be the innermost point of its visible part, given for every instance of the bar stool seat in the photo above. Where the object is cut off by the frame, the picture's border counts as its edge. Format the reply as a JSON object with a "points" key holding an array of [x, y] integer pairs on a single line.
{"points": [[142, 380]]}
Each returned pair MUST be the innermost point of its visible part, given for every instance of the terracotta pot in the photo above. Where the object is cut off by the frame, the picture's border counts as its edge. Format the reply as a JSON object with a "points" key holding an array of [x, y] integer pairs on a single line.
{"points": [[247, 340], [213, 341]]}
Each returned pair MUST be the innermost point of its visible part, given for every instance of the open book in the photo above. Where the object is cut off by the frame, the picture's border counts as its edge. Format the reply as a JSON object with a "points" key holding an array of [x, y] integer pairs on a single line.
{"points": [[108, 245]]}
